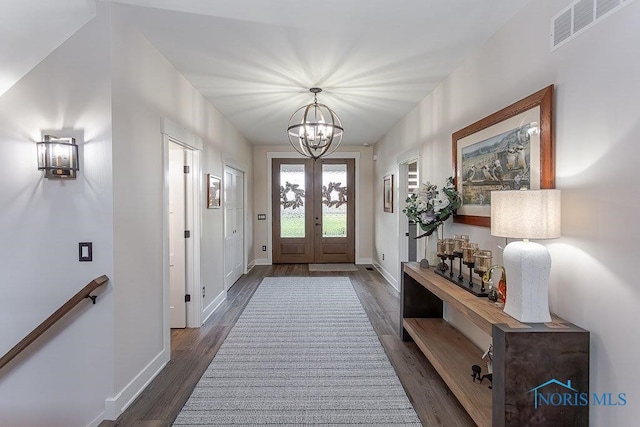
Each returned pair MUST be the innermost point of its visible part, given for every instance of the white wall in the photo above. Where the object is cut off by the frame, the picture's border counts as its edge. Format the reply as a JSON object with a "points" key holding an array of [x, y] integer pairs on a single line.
{"points": [[364, 220], [64, 377], [146, 87], [108, 83], [596, 117]]}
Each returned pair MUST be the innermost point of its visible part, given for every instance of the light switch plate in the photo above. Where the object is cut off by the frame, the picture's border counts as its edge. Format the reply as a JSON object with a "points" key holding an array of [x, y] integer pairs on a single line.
{"points": [[85, 251]]}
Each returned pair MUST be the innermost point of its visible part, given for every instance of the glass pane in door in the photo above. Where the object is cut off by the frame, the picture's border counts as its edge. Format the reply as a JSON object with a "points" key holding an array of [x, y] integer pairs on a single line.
{"points": [[292, 200], [334, 200]]}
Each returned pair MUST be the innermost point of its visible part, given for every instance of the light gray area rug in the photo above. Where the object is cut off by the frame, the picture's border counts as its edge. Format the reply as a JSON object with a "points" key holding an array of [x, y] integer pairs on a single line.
{"points": [[302, 353], [333, 267]]}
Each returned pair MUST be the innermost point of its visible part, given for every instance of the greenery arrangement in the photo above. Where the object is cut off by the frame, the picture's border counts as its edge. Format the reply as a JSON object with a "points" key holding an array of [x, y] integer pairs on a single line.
{"points": [[430, 211]]}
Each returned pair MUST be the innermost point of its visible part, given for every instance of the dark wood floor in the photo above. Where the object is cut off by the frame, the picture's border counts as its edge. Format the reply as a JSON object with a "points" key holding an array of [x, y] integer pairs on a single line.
{"points": [[193, 349]]}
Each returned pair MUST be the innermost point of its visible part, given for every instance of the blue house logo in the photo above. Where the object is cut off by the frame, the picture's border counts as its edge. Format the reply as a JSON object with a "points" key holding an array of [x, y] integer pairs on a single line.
{"points": [[540, 397], [565, 394]]}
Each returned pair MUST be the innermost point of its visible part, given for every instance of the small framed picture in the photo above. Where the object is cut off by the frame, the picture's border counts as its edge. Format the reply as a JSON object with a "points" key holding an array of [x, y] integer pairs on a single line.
{"points": [[213, 192], [388, 193]]}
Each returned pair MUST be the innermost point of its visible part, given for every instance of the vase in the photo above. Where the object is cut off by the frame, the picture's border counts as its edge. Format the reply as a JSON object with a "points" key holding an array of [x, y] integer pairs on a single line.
{"points": [[430, 257]]}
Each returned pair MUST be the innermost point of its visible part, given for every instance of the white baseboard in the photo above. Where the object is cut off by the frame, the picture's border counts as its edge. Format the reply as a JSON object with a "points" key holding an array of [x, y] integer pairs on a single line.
{"points": [[211, 308], [387, 276], [250, 266], [364, 261], [115, 406], [262, 261], [97, 421]]}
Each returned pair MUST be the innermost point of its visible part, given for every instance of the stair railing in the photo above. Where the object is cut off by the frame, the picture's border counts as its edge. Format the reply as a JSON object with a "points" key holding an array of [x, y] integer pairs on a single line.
{"points": [[51, 320]]}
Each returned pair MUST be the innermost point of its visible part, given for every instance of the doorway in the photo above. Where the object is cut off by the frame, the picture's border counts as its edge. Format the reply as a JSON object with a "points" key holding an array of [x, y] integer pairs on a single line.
{"points": [[313, 210], [180, 215], [408, 183]]}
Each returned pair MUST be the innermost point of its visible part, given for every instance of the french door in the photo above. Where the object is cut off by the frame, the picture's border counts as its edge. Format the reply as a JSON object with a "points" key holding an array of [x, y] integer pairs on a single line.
{"points": [[313, 210]]}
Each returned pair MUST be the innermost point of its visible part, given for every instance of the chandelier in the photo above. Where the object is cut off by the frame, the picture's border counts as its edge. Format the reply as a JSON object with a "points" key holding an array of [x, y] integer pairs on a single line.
{"points": [[315, 130]]}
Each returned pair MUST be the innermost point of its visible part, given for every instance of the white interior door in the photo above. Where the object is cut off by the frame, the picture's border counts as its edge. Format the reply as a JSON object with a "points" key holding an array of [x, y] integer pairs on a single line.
{"points": [[238, 266], [177, 226], [234, 225]]}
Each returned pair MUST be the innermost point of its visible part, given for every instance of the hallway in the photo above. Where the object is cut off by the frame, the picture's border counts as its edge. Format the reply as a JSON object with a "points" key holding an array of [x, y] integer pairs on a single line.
{"points": [[193, 349]]}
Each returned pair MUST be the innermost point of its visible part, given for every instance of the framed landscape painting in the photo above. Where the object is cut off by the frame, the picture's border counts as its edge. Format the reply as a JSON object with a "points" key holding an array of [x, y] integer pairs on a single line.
{"points": [[509, 150]]}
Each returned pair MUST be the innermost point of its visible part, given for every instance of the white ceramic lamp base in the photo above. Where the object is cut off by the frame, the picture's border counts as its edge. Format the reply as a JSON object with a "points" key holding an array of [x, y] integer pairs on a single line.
{"points": [[528, 266]]}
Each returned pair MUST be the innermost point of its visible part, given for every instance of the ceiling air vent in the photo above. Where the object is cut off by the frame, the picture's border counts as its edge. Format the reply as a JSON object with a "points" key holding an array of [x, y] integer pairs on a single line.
{"points": [[562, 27], [579, 16], [605, 6], [582, 14]]}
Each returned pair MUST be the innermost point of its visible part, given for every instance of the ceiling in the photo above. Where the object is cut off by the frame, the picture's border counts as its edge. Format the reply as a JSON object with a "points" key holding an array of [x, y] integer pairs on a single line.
{"points": [[255, 60]]}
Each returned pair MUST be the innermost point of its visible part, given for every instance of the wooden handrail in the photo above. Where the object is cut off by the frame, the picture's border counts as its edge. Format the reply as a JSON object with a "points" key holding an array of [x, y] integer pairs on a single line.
{"points": [[51, 320]]}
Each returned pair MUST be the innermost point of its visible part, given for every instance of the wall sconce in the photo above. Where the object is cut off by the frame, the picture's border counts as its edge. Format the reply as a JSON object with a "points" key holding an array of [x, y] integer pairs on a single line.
{"points": [[58, 157]]}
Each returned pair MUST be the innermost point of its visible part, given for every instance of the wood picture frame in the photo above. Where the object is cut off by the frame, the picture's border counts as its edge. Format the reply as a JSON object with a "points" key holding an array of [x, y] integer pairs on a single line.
{"points": [[387, 193], [213, 191], [510, 149]]}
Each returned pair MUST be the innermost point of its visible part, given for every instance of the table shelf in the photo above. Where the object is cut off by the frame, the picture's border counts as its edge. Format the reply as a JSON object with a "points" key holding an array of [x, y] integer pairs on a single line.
{"points": [[452, 355], [525, 355]]}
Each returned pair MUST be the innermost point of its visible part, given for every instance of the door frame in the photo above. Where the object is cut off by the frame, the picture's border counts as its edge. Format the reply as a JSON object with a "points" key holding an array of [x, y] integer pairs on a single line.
{"points": [[177, 178], [293, 155], [174, 133], [403, 161]]}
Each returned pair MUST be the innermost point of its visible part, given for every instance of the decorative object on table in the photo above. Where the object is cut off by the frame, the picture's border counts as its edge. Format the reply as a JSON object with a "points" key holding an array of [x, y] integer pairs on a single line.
{"points": [[430, 211], [387, 193], [459, 241], [213, 191], [532, 214], [482, 263], [469, 259], [449, 246], [508, 150], [488, 356], [428, 249], [470, 256], [315, 130], [493, 294], [476, 372], [441, 253], [498, 293], [489, 377]]}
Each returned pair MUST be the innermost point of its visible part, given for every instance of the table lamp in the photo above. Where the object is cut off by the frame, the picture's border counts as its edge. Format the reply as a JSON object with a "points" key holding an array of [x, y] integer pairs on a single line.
{"points": [[526, 214]]}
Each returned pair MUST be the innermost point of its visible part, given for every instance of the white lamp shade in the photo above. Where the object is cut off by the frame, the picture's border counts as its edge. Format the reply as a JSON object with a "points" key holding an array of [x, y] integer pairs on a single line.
{"points": [[526, 214]]}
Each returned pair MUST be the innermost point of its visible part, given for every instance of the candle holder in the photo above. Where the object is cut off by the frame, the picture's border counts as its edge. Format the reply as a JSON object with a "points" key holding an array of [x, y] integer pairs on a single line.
{"points": [[468, 258], [459, 241], [482, 264], [441, 253], [446, 251], [451, 258], [449, 245]]}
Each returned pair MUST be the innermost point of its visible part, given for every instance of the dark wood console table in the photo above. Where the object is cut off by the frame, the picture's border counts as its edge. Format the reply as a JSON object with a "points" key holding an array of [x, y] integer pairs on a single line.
{"points": [[525, 356]]}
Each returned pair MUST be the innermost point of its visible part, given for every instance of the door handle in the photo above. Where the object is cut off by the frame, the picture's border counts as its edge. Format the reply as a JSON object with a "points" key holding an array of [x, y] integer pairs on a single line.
{"points": [[317, 223]]}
